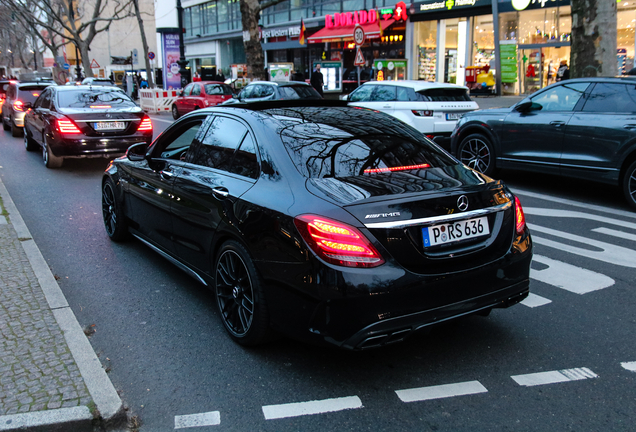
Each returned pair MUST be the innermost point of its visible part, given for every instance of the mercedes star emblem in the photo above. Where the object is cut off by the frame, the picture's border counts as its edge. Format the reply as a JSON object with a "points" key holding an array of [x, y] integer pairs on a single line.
{"points": [[462, 203]]}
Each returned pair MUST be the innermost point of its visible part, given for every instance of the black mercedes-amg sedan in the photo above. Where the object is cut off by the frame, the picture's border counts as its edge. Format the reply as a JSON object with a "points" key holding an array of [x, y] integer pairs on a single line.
{"points": [[83, 122], [327, 223]]}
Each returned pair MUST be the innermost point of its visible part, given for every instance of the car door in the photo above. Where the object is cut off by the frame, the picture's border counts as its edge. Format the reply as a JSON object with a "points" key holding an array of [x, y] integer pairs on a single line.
{"points": [[383, 99], [182, 102], [37, 118], [195, 100], [209, 184], [533, 139], [150, 183], [599, 135]]}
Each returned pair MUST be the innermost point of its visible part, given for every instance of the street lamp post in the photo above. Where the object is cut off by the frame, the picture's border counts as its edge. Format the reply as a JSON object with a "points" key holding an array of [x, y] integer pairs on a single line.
{"points": [[182, 61], [35, 60]]}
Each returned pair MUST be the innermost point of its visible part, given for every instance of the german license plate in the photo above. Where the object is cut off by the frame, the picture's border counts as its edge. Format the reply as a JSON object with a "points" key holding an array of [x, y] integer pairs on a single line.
{"points": [[110, 126], [455, 231], [454, 116]]}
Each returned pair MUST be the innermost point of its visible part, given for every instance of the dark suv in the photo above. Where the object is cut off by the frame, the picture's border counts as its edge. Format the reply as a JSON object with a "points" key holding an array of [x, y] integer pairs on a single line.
{"points": [[581, 128], [13, 111]]}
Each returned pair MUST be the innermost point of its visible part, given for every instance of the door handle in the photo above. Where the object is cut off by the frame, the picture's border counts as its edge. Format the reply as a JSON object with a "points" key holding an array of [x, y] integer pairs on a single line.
{"points": [[557, 123], [386, 106], [167, 175], [220, 192]]}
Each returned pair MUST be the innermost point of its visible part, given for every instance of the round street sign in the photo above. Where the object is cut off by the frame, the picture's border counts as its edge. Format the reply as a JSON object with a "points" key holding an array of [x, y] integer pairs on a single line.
{"points": [[151, 55], [358, 35]]}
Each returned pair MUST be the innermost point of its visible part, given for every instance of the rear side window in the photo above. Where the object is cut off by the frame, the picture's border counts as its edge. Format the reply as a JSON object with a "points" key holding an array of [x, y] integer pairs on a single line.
{"points": [[443, 95], [607, 97], [265, 90], [298, 92], [87, 98], [217, 89], [321, 150]]}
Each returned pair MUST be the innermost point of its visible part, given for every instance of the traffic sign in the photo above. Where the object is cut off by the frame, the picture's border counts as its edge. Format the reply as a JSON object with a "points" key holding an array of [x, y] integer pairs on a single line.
{"points": [[151, 55], [359, 60], [94, 64], [66, 66], [358, 35]]}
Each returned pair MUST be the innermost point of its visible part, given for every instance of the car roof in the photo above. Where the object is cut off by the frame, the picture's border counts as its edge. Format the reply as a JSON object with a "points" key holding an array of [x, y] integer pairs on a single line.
{"points": [[85, 87], [280, 83], [211, 82], [416, 85]]}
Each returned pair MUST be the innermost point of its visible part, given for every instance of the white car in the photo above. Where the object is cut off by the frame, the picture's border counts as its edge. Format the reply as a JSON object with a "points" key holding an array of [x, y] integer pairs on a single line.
{"points": [[430, 107]]}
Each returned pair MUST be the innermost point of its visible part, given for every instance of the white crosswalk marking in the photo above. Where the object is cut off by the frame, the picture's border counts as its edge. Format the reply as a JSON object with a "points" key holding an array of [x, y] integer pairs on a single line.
{"points": [[616, 233], [552, 377], [441, 391], [571, 278], [534, 300], [212, 418], [630, 366], [312, 407]]}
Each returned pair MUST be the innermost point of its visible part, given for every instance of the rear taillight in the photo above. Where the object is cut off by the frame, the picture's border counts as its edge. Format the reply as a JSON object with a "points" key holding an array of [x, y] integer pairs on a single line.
{"points": [[18, 105], [67, 127], [422, 113], [145, 125], [337, 243], [520, 218]]}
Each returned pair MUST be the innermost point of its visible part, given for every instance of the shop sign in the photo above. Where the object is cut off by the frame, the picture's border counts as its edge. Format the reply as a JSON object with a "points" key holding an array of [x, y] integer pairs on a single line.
{"points": [[437, 5], [366, 17], [389, 64], [272, 33], [508, 52], [520, 5]]}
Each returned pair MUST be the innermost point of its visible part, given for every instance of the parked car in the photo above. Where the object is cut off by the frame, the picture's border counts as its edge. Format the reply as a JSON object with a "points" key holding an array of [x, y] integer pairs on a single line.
{"points": [[98, 82], [82, 122], [4, 85], [581, 128], [200, 94], [431, 108], [258, 91], [324, 222], [13, 108]]}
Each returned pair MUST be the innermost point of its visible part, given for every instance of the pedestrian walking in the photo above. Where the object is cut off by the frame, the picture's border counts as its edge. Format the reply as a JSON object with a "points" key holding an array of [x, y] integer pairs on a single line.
{"points": [[563, 72], [317, 80]]}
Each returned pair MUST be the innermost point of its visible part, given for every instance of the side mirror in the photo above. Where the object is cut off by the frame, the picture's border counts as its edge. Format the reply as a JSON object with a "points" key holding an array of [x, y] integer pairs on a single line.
{"points": [[181, 93], [344, 97], [137, 152], [524, 105]]}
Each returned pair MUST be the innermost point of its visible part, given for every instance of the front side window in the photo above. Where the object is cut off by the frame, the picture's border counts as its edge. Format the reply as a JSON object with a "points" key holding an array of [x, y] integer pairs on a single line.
{"points": [[179, 141], [188, 89], [196, 90], [216, 149], [609, 97], [362, 93], [559, 98], [384, 93]]}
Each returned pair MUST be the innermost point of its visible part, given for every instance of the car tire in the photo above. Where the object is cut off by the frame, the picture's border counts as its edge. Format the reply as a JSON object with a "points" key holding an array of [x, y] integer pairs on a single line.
{"points": [[50, 160], [29, 144], [240, 297], [477, 152], [175, 112], [629, 184], [5, 125], [15, 130], [112, 213]]}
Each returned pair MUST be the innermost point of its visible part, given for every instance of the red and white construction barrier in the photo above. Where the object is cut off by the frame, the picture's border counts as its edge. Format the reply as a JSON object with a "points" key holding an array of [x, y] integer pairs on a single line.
{"points": [[157, 101]]}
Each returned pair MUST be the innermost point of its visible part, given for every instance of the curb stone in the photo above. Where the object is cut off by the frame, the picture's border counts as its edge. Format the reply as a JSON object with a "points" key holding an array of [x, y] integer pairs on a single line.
{"points": [[106, 399]]}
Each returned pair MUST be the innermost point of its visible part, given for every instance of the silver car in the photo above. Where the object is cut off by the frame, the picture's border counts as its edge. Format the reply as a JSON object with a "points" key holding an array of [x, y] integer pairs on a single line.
{"points": [[13, 111]]}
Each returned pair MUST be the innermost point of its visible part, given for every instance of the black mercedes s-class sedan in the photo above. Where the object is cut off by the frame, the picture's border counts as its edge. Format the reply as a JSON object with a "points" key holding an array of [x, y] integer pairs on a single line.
{"points": [[83, 122], [326, 223]]}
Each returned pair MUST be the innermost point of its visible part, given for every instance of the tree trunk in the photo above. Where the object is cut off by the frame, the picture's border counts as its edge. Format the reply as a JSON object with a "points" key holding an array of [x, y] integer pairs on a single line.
{"points": [[250, 11], [593, 49], [151, 82], [86, 60]]}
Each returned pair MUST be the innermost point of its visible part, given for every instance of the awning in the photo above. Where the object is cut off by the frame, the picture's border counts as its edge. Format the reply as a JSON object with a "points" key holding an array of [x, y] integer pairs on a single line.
{"points": [[339, 34]]}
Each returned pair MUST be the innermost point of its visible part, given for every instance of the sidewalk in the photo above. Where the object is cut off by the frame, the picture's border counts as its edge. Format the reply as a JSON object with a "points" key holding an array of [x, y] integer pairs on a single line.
{"points": [[50, 377]]}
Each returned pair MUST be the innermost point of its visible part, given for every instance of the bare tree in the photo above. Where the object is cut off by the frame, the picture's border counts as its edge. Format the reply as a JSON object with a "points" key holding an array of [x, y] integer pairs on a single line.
{"points": [[144, 42], [594, 33], [78, 25], [250, 14]]}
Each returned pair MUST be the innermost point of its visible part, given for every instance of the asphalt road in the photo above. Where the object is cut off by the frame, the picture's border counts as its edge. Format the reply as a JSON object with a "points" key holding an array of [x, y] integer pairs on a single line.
{"points": [[159, 333]]}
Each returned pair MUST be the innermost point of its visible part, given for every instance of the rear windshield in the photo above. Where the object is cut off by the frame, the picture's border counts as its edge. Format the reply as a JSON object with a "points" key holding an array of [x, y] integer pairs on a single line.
{"points": [[320, 150], [30, 93], [86, 98], [3, 88], [218, 89], [443, 95], [299, 92]]}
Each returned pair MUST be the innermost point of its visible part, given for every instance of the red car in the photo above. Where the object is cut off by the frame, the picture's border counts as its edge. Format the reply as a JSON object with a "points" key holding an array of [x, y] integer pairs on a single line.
{"points": [[200, 94]]}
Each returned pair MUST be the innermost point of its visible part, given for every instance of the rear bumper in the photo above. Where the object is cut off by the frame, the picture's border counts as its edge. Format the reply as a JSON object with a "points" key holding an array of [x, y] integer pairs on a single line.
{"points": [[94, 147]]}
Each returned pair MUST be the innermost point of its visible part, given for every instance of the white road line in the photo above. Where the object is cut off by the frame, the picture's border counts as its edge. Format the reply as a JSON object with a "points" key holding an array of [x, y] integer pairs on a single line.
{"points": [[551, 377], [312, 407], [586, 206], [630, 366], [571, 278], [608, 253], [534, 300], [538, 211], [441, 391], [615, 233], [211, 418]]}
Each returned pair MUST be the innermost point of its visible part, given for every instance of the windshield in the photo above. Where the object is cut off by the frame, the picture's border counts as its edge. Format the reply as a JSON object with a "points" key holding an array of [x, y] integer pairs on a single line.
{"points": [[94, 98]]}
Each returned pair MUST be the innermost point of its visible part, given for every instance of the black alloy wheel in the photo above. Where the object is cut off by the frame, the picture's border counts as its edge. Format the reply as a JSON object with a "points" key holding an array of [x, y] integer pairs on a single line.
{"points": [[477, 153], [114, 220], [629, 184], [29, 144], [239, 294], [50, 160], [175, 112]]}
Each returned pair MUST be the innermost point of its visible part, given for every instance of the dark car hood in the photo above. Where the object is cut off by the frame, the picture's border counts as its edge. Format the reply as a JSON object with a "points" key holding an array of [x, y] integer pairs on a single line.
{"points": [[380, 187]]}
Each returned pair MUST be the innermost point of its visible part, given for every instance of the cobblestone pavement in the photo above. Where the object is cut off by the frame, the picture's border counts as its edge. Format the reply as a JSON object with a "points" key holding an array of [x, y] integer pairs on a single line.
{"points": [[37, 370]]}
